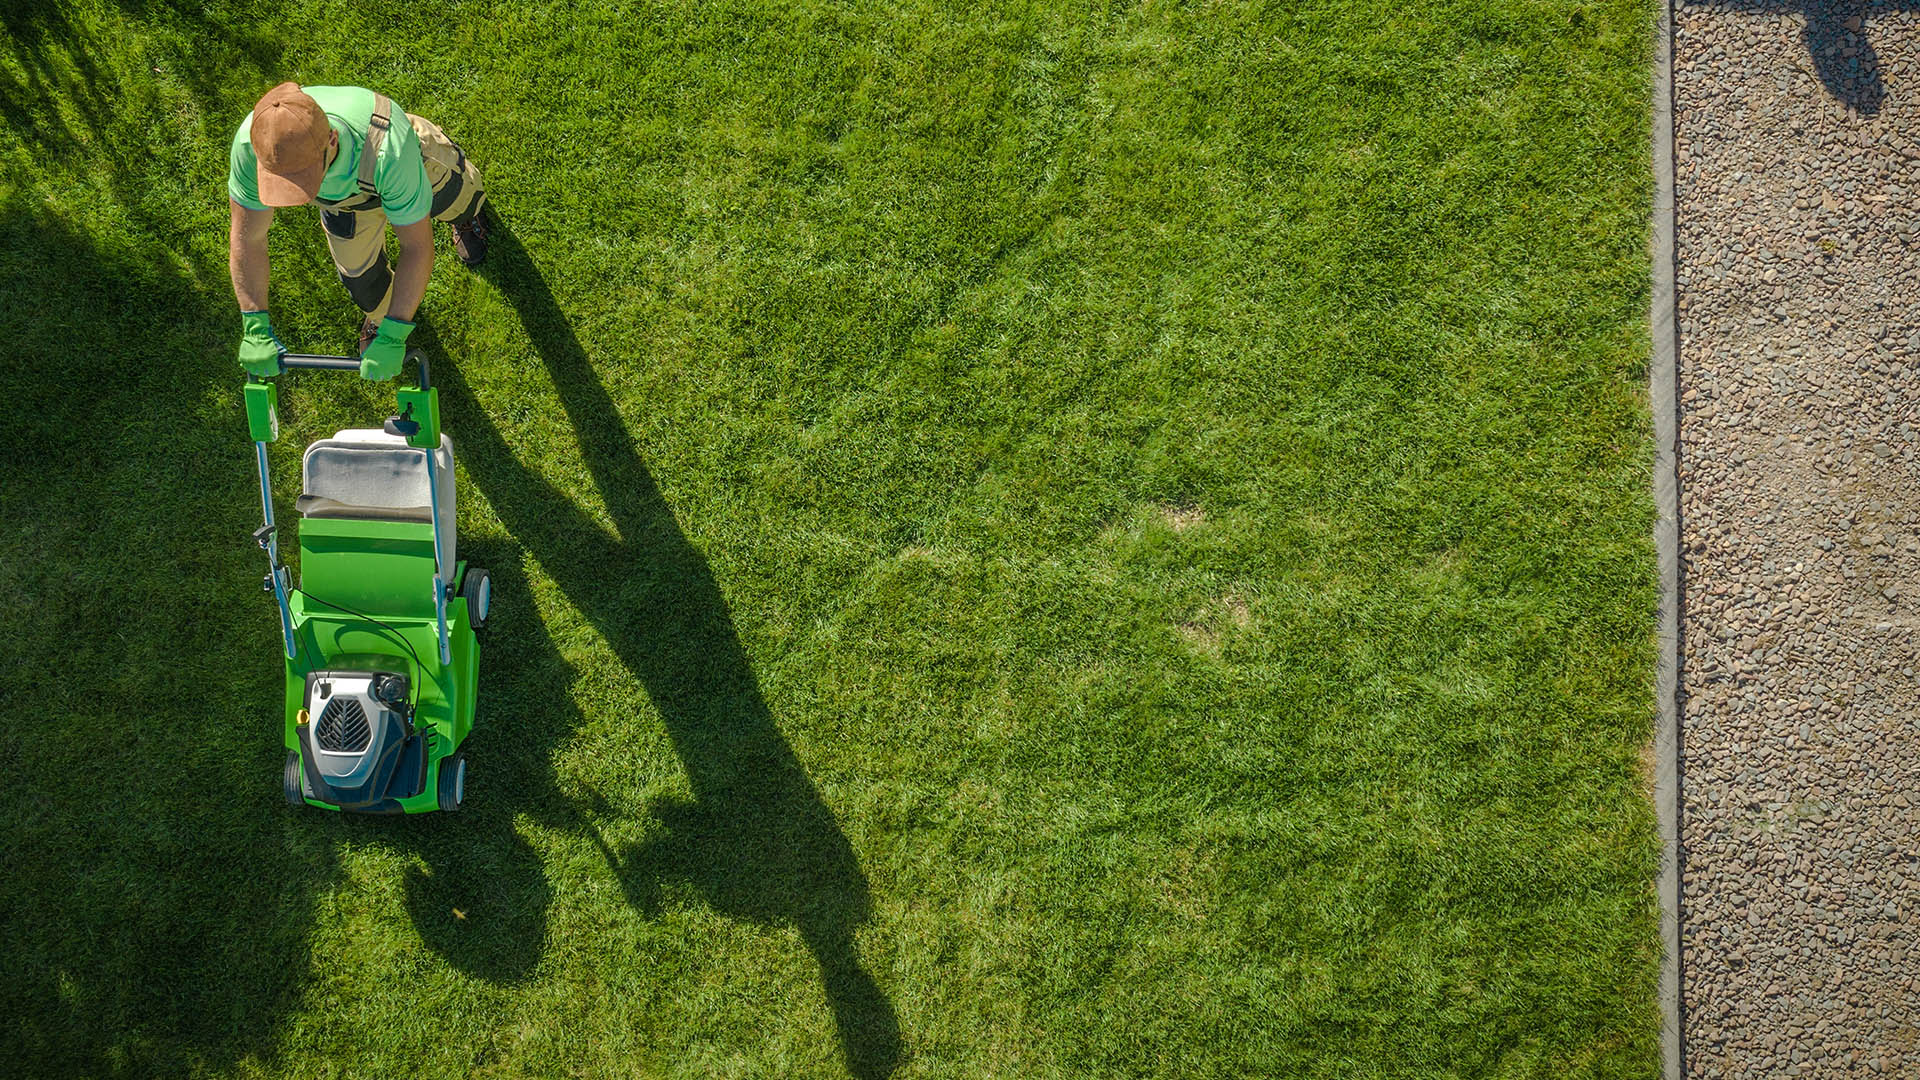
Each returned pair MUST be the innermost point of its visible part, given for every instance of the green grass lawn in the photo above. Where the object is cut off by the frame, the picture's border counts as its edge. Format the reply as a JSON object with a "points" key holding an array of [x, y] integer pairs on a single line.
{"points": [[1041, 540]]}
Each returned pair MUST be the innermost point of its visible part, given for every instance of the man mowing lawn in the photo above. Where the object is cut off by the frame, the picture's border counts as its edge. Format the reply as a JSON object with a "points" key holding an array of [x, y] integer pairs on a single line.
{"points": [[341, 147]]}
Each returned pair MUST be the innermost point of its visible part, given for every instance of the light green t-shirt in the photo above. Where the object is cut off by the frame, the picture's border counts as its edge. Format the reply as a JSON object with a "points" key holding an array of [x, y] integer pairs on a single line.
{"points": [[400, 176]]}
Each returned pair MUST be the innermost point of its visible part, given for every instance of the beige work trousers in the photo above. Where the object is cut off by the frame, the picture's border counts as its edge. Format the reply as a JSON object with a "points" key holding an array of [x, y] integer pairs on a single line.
{"points": [[356, 227]]}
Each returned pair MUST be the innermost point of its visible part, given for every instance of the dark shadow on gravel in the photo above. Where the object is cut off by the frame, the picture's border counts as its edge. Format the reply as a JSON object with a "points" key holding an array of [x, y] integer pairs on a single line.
{"points": [[756, 840], [1838, 37], [1842, 56]]}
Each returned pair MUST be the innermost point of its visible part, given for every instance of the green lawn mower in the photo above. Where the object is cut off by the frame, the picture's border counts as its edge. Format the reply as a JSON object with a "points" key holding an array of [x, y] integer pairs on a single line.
{"points": [[382, 661]]}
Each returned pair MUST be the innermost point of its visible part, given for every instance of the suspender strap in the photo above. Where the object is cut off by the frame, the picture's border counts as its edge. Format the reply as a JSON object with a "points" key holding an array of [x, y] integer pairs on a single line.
{"points": [[377, 125]]}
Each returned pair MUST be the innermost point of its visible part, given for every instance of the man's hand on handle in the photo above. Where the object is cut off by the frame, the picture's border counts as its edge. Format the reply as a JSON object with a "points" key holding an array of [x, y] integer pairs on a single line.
{"points": [[247, 263], [385, 353], [259, 349]]}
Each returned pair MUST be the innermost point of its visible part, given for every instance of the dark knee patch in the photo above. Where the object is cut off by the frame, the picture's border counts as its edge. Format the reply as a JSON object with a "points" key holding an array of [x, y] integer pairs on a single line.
{"points": [[448, 194], [370, 287], [338, 223]]}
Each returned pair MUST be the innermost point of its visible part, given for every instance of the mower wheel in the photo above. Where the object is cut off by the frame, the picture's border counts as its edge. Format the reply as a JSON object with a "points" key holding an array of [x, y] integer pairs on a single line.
{"points": [[290, 780], [453, 783], [478, 591]]}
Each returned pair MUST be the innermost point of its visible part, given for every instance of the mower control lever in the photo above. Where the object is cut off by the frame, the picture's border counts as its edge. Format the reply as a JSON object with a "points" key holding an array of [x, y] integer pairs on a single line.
{"points": [[404, 424]]}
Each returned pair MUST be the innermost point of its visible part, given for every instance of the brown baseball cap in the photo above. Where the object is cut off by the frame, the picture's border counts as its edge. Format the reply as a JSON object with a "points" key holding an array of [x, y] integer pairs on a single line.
{"points": [[289, 145]]}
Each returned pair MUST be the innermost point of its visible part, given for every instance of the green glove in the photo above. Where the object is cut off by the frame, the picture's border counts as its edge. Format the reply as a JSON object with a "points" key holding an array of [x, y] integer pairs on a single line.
{"points": [[259, 349], [385, 352]]}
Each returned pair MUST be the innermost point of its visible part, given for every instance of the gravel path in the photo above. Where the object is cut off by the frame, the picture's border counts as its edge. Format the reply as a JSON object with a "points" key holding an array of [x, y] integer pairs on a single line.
{"points": [[1797, 185]]}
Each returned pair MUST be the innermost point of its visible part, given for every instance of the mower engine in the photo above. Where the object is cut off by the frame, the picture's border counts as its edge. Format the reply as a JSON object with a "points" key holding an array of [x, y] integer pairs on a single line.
{"points": [[358, 744]]}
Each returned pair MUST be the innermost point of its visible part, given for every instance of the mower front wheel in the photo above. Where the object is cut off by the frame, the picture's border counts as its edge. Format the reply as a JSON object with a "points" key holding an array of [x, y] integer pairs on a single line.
{"points": [[290, 780], [453, 783], [478, 591]]}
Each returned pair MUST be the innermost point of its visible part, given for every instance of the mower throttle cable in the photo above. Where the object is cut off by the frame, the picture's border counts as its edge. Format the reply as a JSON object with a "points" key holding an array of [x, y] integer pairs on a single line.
{"points": [[420, 666]]}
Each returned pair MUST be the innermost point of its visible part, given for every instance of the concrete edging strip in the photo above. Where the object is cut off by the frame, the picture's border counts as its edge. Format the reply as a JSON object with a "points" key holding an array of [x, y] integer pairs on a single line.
{"points": [[1663, 398]]}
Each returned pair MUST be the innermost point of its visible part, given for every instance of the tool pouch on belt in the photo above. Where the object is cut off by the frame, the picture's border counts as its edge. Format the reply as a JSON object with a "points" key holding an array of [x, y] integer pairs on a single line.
{"points": [[337, 217]]}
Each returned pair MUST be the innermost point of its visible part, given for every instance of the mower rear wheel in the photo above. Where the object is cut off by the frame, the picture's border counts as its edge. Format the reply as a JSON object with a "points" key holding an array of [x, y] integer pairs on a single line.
{"points": [[478, 591], [453, 783], [290, 780]]}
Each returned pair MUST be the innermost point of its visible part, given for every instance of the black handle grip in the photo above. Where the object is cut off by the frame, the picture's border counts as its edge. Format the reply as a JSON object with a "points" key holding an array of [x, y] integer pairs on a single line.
{"points": [[291, 361]]}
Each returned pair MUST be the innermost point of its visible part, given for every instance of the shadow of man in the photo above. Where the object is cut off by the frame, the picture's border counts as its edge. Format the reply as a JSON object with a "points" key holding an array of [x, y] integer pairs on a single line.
{"points": [[756, 840], [1835, 34], [1844, 59]]}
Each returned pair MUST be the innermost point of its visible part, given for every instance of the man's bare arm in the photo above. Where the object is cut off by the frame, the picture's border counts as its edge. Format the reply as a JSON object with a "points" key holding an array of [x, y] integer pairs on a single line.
{"points": [[247, 255], [411, 270]]}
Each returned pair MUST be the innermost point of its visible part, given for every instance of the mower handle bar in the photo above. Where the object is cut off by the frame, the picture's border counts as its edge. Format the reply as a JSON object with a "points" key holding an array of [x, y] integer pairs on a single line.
{"points": [[290, 361]]}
